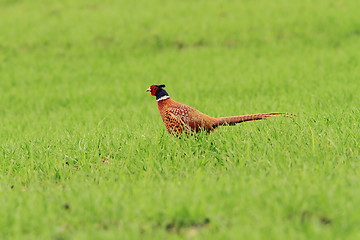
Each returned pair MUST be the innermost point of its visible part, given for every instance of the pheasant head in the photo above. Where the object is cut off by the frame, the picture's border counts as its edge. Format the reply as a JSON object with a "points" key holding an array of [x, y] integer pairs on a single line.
{"points": [[158, 91]]}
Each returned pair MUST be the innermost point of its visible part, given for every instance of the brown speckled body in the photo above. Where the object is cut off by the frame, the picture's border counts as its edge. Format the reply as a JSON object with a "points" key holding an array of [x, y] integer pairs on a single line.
{"points": [[180, 118]]}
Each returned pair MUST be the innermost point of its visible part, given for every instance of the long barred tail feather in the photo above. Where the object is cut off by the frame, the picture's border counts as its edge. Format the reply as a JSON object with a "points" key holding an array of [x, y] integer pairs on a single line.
{"points": [[224, 121]]}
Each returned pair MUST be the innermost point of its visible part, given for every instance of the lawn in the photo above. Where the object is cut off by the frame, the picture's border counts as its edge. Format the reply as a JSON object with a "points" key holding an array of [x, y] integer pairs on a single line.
{"points": [[84, 153]]}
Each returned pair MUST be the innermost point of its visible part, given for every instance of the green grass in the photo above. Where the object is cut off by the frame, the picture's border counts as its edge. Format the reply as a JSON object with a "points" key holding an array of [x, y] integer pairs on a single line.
{"points": [[84, 153]]}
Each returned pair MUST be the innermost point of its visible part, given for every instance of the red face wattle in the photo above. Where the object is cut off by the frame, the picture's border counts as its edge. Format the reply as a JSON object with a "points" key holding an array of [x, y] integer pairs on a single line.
{"points": [[152, 89]]}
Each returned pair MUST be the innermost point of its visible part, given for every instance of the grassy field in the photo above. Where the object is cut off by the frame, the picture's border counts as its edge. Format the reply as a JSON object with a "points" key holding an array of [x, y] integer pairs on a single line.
{"points": [[84, 153]]}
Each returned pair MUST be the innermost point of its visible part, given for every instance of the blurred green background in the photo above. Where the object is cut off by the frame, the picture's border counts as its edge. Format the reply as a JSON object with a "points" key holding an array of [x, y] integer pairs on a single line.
{"points": [[84, 153]]}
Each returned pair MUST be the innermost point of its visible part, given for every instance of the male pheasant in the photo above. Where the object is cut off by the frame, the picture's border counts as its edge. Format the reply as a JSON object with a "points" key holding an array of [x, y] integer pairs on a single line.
{"points": [[180, 118]]}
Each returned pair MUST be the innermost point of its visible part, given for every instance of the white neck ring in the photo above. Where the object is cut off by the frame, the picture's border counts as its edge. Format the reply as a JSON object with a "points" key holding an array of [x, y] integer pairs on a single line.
{"points": [[162, 98]]}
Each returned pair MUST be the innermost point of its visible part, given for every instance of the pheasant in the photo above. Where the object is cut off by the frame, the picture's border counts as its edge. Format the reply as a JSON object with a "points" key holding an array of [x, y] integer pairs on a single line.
{"points": [[180, 118]]}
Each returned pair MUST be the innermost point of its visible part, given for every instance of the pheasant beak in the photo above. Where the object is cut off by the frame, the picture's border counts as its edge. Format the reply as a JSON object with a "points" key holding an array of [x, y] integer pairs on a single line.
{"points": [[148, 90]]}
